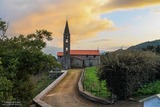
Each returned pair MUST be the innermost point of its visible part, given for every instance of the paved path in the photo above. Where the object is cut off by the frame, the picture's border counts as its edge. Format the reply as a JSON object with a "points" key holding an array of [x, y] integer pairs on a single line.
{"points": [[65, 94]]}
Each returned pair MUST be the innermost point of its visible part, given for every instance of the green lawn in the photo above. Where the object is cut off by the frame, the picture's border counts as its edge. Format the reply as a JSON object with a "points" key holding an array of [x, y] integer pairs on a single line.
{"points": [[93, 85]]}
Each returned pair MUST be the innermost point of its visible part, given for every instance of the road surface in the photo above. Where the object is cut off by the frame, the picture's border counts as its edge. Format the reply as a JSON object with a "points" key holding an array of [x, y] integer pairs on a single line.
{"points": [[65, 94]]}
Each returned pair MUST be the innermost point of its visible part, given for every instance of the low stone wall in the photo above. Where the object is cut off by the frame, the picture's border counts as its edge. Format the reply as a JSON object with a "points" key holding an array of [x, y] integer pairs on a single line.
{"points": [[88, 95], [40, 96]]}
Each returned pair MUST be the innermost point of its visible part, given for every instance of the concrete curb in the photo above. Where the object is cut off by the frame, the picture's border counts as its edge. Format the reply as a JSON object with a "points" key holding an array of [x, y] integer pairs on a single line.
{"points": [[88, 95], [40, 96]]}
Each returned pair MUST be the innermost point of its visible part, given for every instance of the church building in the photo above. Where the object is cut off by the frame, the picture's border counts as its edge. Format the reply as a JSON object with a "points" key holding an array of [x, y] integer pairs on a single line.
{"points": [[76, 58]]}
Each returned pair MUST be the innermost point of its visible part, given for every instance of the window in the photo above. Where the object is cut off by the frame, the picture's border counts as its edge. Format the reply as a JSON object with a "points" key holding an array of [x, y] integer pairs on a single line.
{"points": [[66, 51], [66, 40], [94, 56]]}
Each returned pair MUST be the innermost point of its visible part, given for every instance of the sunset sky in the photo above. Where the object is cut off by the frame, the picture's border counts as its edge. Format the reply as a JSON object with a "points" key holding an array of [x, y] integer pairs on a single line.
{"points": [[106, 24]]}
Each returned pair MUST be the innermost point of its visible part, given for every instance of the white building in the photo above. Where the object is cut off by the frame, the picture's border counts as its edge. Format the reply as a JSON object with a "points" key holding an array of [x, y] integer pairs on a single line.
{"points": [[152, 101]]}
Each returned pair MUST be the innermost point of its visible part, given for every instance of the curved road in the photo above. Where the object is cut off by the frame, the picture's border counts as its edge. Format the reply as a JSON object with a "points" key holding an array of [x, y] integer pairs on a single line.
{"points": [[65, 94]]}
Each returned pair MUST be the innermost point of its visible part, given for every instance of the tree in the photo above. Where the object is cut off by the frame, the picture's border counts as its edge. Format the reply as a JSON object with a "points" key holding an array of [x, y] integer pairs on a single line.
{"points": [[126, 71], [22, 57], [3, 29], [152, 48], [158, 49], [5, 86]]}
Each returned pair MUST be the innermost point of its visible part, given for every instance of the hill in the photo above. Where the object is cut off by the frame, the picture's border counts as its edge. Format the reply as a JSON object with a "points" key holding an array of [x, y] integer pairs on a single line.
{"points": [[51, 50], [145, 45]]}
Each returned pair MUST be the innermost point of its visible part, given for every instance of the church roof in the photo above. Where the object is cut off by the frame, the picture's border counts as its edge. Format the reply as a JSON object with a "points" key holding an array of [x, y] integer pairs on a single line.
{"points": [[81, 52]]}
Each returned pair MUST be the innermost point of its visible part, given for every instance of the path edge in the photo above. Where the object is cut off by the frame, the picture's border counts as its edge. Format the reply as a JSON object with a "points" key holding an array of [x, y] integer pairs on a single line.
{"points": [[88, 95], [40, 96]]}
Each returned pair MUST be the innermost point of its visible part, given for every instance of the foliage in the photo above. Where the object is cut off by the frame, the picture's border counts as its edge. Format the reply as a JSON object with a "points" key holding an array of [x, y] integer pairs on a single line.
{"points": [[22, 57], [42, 84], [145, 45], [3, 29], [152, 48], [126, 71], [93, 84], [149, 89], [5, 89]]}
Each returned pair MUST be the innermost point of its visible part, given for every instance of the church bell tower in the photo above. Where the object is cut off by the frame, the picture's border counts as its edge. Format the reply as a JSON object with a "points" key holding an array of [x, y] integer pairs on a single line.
{"points": [[66, 47]]}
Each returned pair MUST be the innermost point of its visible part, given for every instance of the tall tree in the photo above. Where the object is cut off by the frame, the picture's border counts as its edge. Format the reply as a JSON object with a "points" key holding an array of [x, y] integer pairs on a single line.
{"points": [[21, 57], [3, 29]]}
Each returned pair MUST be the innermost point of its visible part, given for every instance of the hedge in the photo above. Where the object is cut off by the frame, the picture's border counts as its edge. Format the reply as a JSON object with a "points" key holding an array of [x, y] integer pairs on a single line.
{"points": [[126, 70]]}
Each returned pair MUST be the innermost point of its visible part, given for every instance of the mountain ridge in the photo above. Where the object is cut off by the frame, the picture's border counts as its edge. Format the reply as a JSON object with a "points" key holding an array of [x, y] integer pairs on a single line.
{"points": [[145, 45]]}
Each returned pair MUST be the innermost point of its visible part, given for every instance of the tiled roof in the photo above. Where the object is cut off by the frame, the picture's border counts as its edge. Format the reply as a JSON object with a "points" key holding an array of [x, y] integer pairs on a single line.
{"points": [[81, 52]]}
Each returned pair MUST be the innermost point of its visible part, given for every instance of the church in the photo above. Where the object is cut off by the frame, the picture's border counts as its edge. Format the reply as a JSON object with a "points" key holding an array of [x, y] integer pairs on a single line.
{"points": [[76, 58]]}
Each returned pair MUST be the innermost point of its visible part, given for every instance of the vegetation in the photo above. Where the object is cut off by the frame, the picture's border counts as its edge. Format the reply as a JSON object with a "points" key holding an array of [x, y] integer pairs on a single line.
{"points": [[126, 71], [21, 57], [94, 85], [145, 45], [149, 89], [152, 48], [42, 84]]}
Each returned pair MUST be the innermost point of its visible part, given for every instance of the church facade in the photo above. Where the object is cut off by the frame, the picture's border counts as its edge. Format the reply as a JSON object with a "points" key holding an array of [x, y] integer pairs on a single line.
{"points": [[76, 58]]}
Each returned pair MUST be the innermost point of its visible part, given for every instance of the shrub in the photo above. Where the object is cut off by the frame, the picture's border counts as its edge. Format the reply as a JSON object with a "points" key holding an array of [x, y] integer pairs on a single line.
{"points": [[149, 89], [126, 71]]}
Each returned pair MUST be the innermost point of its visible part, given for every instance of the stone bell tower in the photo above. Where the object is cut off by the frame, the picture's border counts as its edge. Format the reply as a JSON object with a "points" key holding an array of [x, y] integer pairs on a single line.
{"points": [[66, 47]]}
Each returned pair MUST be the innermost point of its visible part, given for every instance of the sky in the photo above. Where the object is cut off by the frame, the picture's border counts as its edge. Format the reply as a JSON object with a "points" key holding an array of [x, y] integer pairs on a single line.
{"points": [[104, 24]]}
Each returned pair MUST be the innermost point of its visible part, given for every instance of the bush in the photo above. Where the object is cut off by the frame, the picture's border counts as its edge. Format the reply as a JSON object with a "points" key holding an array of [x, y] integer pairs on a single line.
{"points": [[149, 89], [126, 71]]}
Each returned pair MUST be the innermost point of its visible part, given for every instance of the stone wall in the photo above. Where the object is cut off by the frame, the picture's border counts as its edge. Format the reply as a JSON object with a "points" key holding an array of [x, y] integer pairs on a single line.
{"points": [[40, 96], [61, 60], [77, 61]]}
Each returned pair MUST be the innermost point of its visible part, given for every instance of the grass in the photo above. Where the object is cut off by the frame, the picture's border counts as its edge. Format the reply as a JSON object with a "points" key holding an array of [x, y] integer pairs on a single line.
{"points": [[93, 85], [149, 89], [42, 84]]}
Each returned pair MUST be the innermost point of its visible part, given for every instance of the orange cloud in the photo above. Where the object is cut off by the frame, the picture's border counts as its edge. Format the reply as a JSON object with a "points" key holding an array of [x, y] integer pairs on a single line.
{"points": [[83, 22], [113, 5], [83, 15]]}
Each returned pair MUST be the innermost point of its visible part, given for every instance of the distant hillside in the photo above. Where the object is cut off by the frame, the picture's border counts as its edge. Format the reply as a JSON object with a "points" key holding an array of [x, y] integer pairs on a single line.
{"points": [[51, 50], [144, 45]]}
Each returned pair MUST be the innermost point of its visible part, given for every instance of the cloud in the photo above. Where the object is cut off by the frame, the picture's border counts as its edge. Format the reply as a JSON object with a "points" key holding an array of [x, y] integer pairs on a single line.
{"points": [[113, 5], [83, 22], [157, 11], [93, 41], [84, 16], [102, 40]]}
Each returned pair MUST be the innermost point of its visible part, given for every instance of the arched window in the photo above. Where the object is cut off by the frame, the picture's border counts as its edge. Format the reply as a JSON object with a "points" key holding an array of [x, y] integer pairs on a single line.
{"points": [[66, 40], [66, 50]]}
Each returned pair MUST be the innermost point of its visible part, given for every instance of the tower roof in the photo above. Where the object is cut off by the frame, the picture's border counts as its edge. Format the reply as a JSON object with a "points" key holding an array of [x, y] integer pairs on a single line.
{"points": [[66, 30]]}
